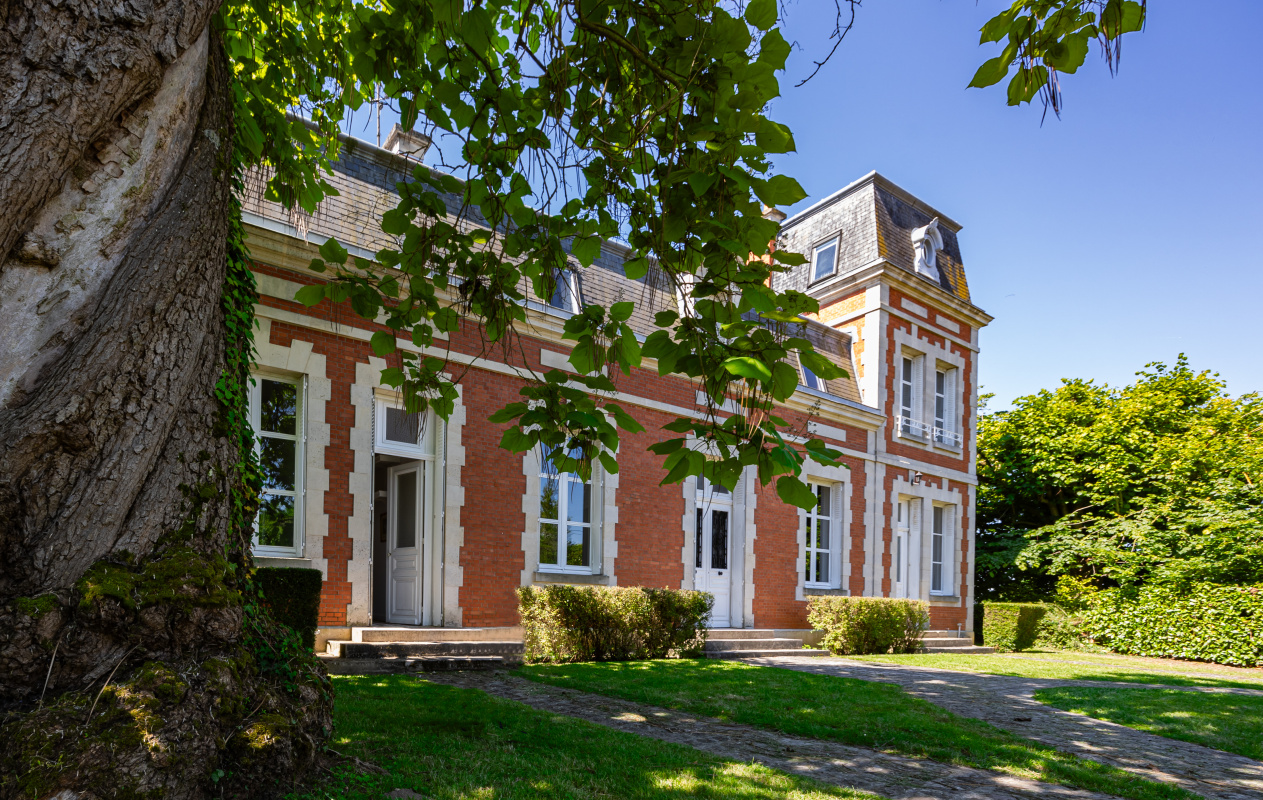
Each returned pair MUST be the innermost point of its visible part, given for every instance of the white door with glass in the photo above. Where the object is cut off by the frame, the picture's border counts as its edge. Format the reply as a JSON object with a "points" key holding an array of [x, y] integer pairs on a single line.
{"points": [[899, 549], [712, 573], [406, 510]]}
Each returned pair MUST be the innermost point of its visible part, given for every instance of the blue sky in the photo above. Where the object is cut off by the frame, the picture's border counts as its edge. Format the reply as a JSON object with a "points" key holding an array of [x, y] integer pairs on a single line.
{"points": [[1128, 231]]}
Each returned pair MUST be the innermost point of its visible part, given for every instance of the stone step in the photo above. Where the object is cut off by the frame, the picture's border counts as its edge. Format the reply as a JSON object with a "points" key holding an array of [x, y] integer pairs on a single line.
{"points": [[393, 665], [727, 634], [402, 633], [799, 651], [407, 649], [970, 650], [945, 642], [946, 634], [752, 644]]}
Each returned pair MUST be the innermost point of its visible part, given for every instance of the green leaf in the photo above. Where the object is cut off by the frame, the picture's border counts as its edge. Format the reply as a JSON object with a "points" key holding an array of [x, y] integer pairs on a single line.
{"points": [[773, 137], [748, 367], [311, 295], [991, 72], [822, 366], [332, 251], [586, 356], [796, 493], [779, 190], [586, 248], [773, 49], [608, 461], [621, 312], [515, 441], [316, 265], [761, 14], [383, 343]]}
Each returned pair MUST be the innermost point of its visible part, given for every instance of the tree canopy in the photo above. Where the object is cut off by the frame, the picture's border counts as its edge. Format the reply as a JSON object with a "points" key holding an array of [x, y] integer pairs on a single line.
{"points": [[1156, 482]]}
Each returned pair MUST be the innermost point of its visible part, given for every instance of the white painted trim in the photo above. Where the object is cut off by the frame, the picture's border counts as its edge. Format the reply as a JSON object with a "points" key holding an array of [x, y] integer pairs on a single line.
{"points": [[840, 560]]}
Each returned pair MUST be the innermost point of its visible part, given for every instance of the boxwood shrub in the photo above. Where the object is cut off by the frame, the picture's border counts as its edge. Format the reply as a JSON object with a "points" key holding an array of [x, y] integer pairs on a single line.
{"points": [[1221, 624], [869, 625], [1011, 626], [563, 624], [293, 595]]}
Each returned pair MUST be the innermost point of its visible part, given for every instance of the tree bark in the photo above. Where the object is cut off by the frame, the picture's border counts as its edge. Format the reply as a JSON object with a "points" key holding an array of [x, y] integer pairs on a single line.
{"points": [[129, 662]]}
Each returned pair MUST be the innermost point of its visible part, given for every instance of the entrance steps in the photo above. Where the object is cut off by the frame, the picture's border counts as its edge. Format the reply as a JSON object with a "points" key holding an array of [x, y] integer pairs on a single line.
{"points": [[952, 642], [396, 649], [755, 643]]}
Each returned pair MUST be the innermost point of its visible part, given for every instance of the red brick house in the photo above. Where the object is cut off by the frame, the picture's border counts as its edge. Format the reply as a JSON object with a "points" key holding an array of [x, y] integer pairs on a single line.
{"points": [[416, 521]]}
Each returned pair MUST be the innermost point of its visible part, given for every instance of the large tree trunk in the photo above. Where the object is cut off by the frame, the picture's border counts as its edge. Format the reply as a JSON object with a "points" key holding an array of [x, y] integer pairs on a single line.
{"points": [[130, 663]]}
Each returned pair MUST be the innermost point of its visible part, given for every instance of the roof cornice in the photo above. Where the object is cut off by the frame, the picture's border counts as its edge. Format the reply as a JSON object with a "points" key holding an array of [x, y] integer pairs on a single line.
{"points": [[910, 283], [873, 178]]}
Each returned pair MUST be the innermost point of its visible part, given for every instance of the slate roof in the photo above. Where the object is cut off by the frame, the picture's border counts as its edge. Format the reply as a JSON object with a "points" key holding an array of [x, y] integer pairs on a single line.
{"points": [[365, 178]]}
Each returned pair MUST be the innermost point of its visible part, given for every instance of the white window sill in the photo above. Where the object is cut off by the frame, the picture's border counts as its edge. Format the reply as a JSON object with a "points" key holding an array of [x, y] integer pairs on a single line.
{"points": [[824, 591], [559, 576], [277, 553], [952, 599]]}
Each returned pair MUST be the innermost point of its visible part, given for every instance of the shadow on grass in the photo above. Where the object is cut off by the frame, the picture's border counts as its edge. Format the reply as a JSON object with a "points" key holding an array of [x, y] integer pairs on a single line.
{"points": [[1229, 722], [856, 712], [446, 742]]}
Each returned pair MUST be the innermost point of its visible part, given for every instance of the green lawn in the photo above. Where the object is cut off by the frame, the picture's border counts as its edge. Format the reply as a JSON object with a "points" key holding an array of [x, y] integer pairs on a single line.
{"points": [[864, 713], [1117, 668], [1229, 722], [444, 742]]}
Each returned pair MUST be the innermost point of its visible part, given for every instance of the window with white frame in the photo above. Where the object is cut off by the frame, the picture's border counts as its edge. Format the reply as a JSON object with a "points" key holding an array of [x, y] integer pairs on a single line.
{"points": [[565, 519], [940, 550], [910, 380], [945, 428], [565, 291], [822, 537], [811, 380], [824, 260], [276, 414], [399, 433]]}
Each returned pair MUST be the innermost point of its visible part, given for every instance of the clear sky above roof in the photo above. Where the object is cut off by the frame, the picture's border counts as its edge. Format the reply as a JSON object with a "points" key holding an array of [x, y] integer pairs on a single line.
{"points": [[1128, 231]]}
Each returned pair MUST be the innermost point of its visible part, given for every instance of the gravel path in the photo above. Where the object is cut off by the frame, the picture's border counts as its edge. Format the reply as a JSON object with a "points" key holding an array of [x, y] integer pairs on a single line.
{"points": [[892, 776], [1008, 703]]}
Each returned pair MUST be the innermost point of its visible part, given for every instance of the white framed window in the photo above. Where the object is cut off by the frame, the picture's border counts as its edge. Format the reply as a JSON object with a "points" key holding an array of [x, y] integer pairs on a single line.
{"points": [[823, 539], [810, 379], [398, 433], [940, 550], [824, 260], [277, 416], [565, 520], [565, 291], [946, 430], [910, 381]]}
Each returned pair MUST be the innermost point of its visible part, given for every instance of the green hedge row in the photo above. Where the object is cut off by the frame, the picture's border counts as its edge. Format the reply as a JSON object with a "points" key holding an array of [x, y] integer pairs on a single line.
{"points": [[563, 624], [869, 625], [1009, 626], [293, 595], [1221, 624]]}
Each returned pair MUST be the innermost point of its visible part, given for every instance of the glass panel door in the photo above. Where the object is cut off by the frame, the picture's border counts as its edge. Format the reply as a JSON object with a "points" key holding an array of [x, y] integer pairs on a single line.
{"points": [[714, 508]]}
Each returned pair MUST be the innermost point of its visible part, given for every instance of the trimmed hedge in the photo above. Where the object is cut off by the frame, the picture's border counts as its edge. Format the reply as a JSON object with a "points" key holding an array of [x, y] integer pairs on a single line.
{"points": [[869, 625], [1220, 624], [1062, 631], [1011, 626], [293, 595], [563, 624]]}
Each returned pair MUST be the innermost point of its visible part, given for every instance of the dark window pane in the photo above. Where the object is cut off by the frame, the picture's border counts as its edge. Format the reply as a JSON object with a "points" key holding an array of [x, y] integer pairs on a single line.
{"points": [[822, 534], [699, 538], [401, 427], [578, 502], [822, 568], [938, 519], [822, 501], [718, 539], [809, 378], [577, 537], [548, 498], [406, 510], [548, 543], [826, 256], [938, 548], [276, 521], [276, 458], [278, 411]]}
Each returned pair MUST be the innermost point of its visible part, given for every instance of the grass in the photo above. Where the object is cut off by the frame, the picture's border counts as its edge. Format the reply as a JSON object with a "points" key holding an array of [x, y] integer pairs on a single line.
{"points": [[444, 742], [1228, 722], [875, 715], [1117, 668]]}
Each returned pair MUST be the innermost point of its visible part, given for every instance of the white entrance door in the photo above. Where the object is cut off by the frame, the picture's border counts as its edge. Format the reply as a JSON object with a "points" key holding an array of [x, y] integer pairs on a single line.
{"points": [[899, 551], [714, 515], [406, 512]]}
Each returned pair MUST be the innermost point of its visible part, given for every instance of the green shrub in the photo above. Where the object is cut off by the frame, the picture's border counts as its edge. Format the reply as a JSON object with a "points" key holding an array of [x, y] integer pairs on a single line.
{"points": [[1062, 631], [293, 595], [869, 625], [1011, 626], [1221, 624], [564, 624]]}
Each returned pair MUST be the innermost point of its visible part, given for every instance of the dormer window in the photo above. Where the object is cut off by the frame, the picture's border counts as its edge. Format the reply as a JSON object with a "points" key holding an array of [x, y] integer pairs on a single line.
{"points": [[811, 380], [565, 293], [824, 260]]}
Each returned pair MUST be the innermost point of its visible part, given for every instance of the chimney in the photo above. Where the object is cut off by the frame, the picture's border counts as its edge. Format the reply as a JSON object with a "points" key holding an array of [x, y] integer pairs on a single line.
{"points": [[407, 143]]}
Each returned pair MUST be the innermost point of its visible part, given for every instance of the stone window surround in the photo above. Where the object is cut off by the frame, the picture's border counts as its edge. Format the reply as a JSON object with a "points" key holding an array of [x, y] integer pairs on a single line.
{"points": [[604, 523], [934, 496], [935, 358], [840, 565], [742, 527], [299, 381]]}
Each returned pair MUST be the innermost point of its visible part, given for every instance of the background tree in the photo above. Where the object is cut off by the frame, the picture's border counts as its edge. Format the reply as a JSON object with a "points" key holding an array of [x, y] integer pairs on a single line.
{"points": [[134, 660], [1155, 482]]}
